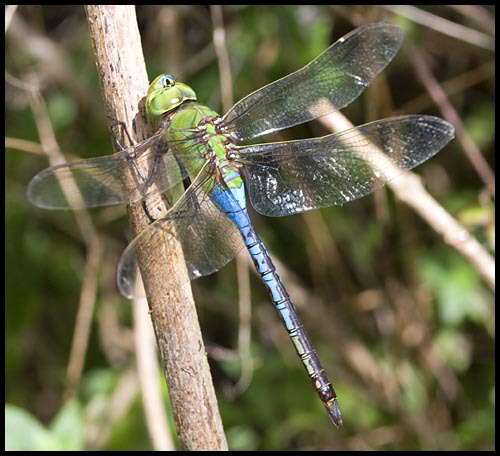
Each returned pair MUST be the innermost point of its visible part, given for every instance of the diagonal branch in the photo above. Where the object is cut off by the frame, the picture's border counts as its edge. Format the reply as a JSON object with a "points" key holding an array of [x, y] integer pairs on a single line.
{"points": [[409, 188], [438, 95], [442, 25]]}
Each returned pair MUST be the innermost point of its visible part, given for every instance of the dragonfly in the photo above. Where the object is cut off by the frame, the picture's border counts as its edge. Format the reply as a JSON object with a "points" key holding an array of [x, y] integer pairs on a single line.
{"points": [[198, 162]]}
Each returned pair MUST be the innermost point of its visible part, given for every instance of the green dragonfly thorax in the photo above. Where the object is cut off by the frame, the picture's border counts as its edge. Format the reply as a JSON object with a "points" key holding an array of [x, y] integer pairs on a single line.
{"points": [[166, 94], [191, 132], [192, 135]]}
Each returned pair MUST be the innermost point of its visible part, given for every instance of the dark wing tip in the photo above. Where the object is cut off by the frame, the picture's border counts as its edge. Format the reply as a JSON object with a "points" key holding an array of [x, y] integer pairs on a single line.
{"points": [[445, 129]]}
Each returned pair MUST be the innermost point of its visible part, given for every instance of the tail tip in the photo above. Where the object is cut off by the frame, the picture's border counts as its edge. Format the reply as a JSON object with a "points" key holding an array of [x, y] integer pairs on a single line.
{"points": [[333, 410]]}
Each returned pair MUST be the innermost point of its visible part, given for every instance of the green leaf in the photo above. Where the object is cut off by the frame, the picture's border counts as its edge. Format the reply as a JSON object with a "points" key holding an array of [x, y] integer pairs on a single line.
{"points": [[477, 215], [242, 438], [457, 288], [414, 395], [480, 124], [99, 382], [62, 110], [453, 348], [478, 429], [68, 427], [24, 432]]}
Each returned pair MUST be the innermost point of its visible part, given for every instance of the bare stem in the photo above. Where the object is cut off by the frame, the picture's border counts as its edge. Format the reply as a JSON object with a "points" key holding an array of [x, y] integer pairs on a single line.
{"points": [[89, 233], [442, 25], [121, 66], [243, 274], [439, 96], [148, 371], [409, 188]]}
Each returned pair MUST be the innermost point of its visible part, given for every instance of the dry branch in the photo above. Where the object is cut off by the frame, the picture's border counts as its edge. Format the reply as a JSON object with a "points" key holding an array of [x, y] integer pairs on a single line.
{"points": [[123, 75], [438, 95], [89, 233], [148, 371], [409, 188]]}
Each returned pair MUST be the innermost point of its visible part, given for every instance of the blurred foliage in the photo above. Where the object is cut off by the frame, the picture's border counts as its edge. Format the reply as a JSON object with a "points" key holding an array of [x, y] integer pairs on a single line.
{"points": [[25, 432], [404, 324]]}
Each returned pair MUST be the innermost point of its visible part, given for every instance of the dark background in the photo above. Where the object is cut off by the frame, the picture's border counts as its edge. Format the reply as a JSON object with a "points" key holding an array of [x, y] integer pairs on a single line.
{"points": [[403, 322]]}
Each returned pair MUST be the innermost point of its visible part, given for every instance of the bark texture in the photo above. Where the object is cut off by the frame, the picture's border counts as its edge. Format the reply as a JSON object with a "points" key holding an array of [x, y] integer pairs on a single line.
{"points": [[122, 70]]}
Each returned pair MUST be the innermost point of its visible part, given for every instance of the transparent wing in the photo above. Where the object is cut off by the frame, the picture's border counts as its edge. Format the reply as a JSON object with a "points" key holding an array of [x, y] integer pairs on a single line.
{"points": [[209, 239], [286, 178], [101, 181], [336, 77]]}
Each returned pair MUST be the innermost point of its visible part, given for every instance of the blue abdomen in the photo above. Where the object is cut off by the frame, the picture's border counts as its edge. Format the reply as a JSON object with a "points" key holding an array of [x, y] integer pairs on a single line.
{"points": [[232, 201]]}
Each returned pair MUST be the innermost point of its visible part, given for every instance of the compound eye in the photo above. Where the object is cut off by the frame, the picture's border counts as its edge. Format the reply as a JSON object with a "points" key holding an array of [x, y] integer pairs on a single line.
{"points": [[168, 81]]}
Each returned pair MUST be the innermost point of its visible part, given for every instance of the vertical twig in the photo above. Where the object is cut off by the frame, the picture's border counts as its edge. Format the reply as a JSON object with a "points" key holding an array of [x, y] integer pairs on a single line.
{"points": [[148, 371], [101, 424], [84, 317], [219, 38], [9, 14], [88, 292], [169, 21], [121, 66], [245, 326]]}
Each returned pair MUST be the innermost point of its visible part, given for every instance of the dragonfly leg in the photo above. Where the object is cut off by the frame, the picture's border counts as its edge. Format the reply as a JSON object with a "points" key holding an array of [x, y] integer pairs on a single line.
{"points": [[122, 126], [144, 182], [148, 208]]}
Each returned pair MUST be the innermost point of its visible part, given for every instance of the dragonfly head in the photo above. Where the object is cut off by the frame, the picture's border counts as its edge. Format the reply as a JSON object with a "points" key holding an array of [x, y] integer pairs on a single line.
{"points": [[165, 94]]}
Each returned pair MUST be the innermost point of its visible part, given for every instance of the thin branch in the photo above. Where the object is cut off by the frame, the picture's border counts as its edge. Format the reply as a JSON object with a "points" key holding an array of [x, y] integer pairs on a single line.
{"points": [[170, 30], [409, 188], [84, 318], [221, 353], [456, 85], [243, 275], [20, 84], [441, 25], [450, 114], [88, 291], [477, 13], [148, 370], [245, 325], [9, 14], [56, 157], [121, 66], [219, 38], [100, 426], [22, 144]]}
